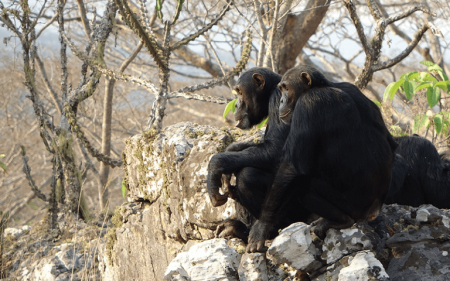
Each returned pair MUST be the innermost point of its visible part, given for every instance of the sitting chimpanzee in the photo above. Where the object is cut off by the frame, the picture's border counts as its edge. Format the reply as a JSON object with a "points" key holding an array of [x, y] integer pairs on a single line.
{"points": [[419, 175], [337, 157], [254, 165]]}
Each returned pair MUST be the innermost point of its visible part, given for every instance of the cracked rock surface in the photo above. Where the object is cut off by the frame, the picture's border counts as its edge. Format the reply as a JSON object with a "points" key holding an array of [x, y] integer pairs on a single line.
{"points": [[166, 231]]}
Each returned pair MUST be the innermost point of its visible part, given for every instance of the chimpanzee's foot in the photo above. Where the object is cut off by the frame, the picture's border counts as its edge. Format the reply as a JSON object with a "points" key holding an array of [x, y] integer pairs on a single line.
{"points": [[321, 226], [232, 228], [258, 235]]}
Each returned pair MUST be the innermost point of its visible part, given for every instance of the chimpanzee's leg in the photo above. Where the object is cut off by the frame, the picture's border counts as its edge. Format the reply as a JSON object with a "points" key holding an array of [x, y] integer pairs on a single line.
{"points": [[333, 216], [249, 193]]}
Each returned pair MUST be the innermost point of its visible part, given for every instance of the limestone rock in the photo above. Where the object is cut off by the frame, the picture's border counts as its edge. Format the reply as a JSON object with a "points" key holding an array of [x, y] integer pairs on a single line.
{"points": [[294, 246], [166, 174], [339, 243], [210, 260], [16, 233], [169, 220], [67, 264], [421, 261], [253, 267], [364, 267]]}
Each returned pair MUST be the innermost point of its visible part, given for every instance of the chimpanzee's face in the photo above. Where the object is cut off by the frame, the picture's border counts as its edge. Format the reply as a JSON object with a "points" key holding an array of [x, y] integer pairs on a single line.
{"points": [[248, 105], [291, 86]]}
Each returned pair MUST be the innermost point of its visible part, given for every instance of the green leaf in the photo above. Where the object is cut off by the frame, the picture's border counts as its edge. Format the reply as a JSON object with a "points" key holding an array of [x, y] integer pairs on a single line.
{"points": [[422, 85], [442, 84], [406, 75], [391, 89], [2, 155], [438, 123], [230, 107], [433, 96], [159, 8], [409, 89], [396, 130], [443, 76], [425, 76], [124, 189], [420, 121], [413, 75], [427, 63], [410, 75], [377, 103], [435, 67], [3, 166], [445, 131], [260, 125]]}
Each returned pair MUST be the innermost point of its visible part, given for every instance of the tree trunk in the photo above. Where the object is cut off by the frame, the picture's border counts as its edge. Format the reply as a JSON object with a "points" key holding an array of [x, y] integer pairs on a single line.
{"points": [[297, 31], [106, 128], [106, 141]]}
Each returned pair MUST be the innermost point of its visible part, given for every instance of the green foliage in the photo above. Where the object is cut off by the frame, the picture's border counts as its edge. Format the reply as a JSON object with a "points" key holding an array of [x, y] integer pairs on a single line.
{"points": [[260, 125], [411, 83], [231, 106], [159, 8], [396, 131], [3, 166], [124, 189]]}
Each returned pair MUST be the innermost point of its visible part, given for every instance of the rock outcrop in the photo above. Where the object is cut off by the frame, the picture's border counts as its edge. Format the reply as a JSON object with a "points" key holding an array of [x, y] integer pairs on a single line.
{"points": [[31, 253], [166, 230], [168, 203]]}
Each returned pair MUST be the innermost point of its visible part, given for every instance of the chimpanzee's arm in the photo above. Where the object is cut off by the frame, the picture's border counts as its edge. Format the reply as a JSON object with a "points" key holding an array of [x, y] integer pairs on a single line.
{"points": [[263, 156], [239, 146]]}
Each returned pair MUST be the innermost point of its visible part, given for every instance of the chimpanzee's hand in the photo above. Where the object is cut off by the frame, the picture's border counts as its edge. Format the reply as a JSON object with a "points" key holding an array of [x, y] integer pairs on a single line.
{"points": [[257, 238], [218, 199]]}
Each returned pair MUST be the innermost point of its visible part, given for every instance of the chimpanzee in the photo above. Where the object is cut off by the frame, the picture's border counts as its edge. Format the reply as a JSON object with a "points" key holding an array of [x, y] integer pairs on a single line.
{"points": [[337, 156], [419, 175], [254, 165]]}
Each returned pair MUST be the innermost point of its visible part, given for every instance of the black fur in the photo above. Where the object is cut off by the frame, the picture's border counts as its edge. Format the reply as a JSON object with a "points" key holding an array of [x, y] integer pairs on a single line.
{"points": [[254, 165], [419, 175], [337, 157]]}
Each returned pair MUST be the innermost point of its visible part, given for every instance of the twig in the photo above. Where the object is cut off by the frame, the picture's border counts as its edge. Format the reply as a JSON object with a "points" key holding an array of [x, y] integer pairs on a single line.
{"points": [[193, 36], [27, 170]]}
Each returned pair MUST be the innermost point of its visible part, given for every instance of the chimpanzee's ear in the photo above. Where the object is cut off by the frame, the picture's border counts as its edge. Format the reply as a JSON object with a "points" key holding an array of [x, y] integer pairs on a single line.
{"points": [[259, 79], [306, 78]]}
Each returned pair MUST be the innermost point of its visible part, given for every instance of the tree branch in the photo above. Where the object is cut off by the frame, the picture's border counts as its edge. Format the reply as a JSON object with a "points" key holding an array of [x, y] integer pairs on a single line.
{"points": [[359, 28], [27, 171], [235, 71], [417, 36], [49, 87], [84, 19], [407, 13], [193, 36], [374, 10]]}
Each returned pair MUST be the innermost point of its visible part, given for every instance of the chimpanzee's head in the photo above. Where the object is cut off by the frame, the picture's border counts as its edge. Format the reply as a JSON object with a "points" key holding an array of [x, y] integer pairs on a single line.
{"points": [[253, 89], [294, 83]]}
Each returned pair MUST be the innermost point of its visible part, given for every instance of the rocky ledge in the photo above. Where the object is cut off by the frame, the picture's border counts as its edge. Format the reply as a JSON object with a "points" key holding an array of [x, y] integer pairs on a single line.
{"points": [[166, 230]]}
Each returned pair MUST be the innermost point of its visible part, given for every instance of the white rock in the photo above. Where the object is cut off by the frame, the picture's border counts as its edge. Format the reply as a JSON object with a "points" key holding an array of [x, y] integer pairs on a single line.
{"points": [[212, 260], [446, 221], [16, 233], [60, 266], [339, 243], [26, 228], [294, 246], [422, 215], [363, 267], [253, 267]]}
